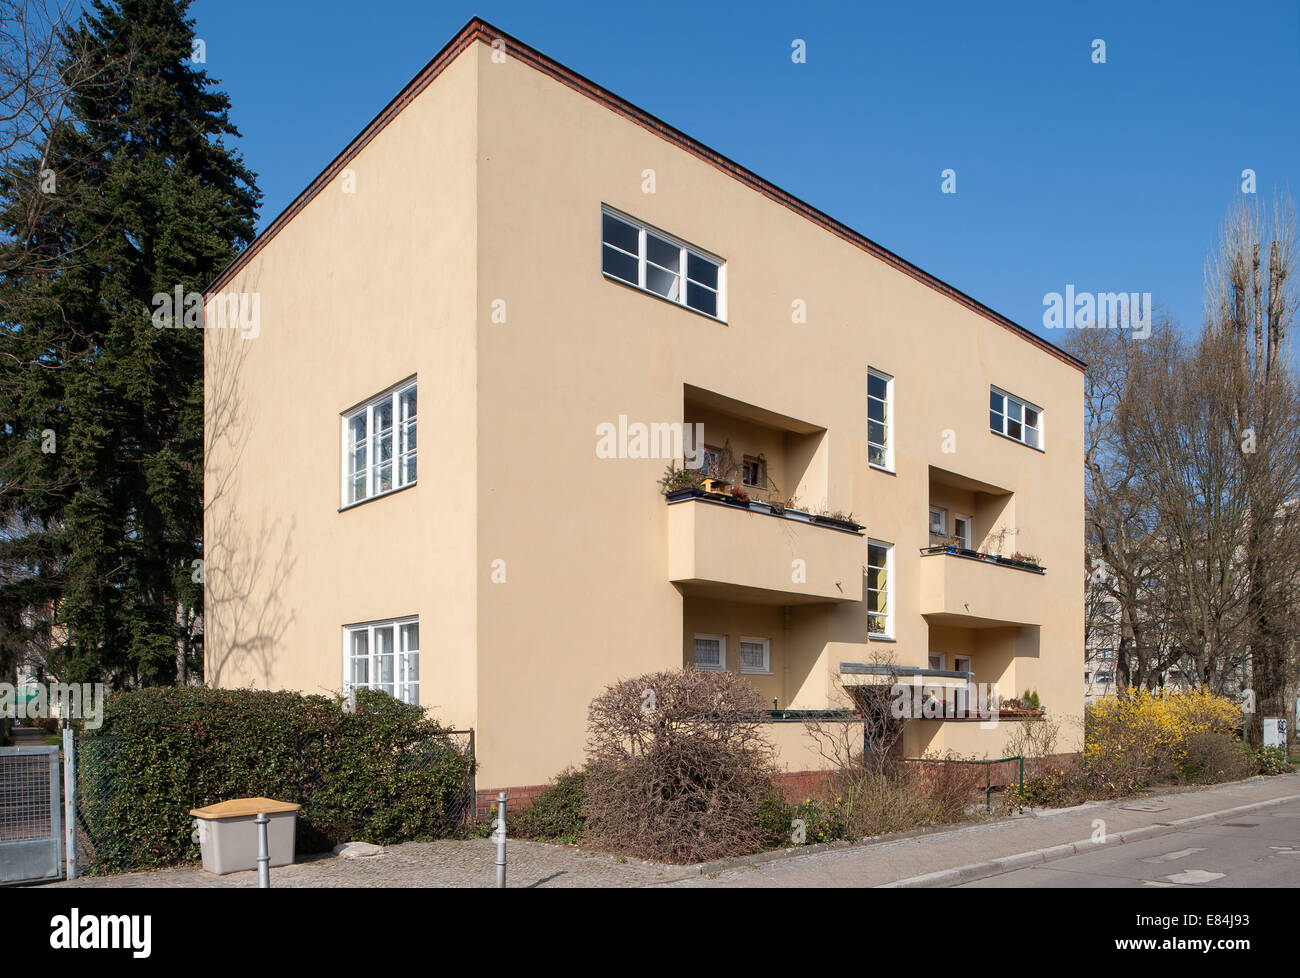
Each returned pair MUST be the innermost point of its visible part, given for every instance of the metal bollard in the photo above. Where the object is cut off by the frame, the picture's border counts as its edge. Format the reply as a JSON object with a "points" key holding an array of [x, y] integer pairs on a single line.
{"points": [[501, 841], [263, 853]]}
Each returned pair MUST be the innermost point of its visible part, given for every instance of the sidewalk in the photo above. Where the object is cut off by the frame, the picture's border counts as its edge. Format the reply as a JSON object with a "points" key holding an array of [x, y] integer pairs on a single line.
{"points": [[958, 855]]}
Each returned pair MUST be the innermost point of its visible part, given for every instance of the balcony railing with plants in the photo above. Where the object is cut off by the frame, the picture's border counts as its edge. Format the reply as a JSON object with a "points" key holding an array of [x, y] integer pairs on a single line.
{"points": [[682, 483], [1018, 560]]}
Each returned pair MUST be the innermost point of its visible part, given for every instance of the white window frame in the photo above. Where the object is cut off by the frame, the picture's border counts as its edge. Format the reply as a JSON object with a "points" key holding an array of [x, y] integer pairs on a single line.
{"points": [[766, 643], [683, 273], [943, 521], [936, 655], [400, 434], [957, 660], [967, 542], [722, 653], [399, 684], [890, 590], [888, 446], [1005, 414]]}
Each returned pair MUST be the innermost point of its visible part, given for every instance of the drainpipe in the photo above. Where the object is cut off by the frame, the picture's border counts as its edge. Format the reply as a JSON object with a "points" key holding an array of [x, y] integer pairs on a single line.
{"points": [[785, 656]]}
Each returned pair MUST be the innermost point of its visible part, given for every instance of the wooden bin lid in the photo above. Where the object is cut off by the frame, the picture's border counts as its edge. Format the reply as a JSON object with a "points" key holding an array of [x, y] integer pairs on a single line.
{"points": [[244, 806]]}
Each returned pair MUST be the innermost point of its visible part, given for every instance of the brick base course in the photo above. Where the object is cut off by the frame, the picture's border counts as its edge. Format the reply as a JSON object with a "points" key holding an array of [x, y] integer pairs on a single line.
{"points": [[795, 786]]}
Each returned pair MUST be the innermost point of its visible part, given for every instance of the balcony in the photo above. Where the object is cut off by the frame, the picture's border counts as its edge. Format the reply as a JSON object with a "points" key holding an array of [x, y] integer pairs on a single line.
{"points": [[976, 590], [752, 552]]}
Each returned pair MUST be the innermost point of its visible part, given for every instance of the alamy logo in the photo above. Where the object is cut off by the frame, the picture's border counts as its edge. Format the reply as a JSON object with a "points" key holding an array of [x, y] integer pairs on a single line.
{"points": [[659, 439], [74, 701], [1100, 310], [98, 931], [959, 701], [184, 310]]}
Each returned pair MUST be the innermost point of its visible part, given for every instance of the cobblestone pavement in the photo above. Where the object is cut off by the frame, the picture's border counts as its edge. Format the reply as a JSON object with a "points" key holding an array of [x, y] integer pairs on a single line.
{"points": [[466, 863]]}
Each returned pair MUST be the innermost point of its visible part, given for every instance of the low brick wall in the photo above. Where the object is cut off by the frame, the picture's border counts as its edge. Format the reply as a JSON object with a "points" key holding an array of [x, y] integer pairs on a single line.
{"points": [[517, 799], [795, 786]]}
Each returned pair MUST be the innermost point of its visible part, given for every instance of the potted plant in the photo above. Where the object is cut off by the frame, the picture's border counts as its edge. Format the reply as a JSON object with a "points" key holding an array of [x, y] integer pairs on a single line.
{"points": [[739, 497], [681, 483], [837, 518], [791, 509]]}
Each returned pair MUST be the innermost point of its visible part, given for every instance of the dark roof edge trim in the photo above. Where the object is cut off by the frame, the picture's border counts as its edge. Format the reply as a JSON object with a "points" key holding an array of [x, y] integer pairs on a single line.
{"points": [[479, 30]]}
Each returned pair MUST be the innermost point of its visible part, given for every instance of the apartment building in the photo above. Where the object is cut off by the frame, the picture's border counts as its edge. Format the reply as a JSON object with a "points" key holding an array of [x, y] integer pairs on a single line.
{"points": [[434, 465]]}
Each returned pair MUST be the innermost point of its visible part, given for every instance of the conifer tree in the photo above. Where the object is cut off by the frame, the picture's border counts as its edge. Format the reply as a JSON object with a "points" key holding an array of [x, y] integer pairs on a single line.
{"points": [[148, 197]]}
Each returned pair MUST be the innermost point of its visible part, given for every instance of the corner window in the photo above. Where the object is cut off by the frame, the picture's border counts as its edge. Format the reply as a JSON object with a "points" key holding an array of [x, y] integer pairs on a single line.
{"points": [[880, 572], [649, 259], [379, 445], [383, 655], [756, 655], [711, 653], [880, 420], [1015, 418]]}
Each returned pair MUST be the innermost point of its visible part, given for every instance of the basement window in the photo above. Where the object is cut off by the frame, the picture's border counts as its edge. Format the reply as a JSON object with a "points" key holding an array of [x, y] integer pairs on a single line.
{"points": [[756, 656], [711, 653]]}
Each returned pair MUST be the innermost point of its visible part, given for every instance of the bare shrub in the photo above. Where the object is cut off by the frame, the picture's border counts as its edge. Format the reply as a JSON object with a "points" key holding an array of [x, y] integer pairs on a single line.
{"points": [[951, 788], [1212, 757], [1035, 741], [678, 766]]}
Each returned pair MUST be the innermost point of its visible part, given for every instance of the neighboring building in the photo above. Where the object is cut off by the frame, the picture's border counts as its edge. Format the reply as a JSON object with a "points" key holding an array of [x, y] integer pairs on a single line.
{"points": [[485, 264]]}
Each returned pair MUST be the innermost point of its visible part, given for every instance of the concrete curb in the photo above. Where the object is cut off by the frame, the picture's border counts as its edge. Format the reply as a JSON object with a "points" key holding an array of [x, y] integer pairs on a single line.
{"points": [[796, 852], [1023, 860]]}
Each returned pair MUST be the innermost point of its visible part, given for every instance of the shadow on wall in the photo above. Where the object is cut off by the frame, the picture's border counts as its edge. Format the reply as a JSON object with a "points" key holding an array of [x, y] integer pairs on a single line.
{"points": [[245, 571]]}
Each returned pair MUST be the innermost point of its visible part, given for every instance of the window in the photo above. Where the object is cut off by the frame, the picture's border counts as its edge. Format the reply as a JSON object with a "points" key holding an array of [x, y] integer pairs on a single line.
{"points": [[755, 472], [936, 661], [880, 614], [379, 445], [711, 652], [755, 655], [1015, 418], [713, 461], [961, 663], [880, 420], [938, 521], [961, 529], [385, 656], [639, 255]]}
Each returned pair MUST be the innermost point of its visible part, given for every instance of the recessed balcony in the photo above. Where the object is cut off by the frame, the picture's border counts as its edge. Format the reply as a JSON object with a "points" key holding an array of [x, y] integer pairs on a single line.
{"points": [[719, 547], [978, 590]]}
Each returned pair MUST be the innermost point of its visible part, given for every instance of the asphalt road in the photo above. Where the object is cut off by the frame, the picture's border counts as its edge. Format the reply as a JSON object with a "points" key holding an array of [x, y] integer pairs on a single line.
{"points": [[1261, 849]]}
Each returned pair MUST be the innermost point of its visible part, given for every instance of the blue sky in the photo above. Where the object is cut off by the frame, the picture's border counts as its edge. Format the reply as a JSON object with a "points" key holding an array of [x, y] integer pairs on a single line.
{"points": [[1111, 177]]}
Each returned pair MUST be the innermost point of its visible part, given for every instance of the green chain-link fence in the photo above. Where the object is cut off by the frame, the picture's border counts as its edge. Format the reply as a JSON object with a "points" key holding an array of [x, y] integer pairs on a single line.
{"points": [[102, 839]]}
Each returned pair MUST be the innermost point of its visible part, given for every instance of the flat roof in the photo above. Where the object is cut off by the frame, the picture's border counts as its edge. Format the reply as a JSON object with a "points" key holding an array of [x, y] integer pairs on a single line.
{"points": [[480, 30]]}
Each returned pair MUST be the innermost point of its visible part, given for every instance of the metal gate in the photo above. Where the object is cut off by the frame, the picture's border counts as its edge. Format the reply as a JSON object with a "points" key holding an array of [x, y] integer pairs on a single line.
{"points": [[31, 825]]}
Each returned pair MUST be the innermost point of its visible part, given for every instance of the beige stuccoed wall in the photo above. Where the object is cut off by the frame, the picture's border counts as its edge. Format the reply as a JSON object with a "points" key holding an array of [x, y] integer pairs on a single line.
{"points": [[484, 196], [579, 350], [357, 292]]}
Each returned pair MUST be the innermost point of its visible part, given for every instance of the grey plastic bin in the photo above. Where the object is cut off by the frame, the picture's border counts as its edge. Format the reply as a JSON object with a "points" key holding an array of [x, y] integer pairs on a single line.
{"points": [[227, 833]]}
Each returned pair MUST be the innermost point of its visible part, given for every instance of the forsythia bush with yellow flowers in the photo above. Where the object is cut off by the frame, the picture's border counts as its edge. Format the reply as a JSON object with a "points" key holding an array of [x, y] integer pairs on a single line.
{"points": [[1146, 737]]}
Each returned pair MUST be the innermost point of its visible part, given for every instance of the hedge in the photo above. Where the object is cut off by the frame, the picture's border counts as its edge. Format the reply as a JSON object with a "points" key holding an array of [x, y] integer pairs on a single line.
{"points": [[383, 773]]}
